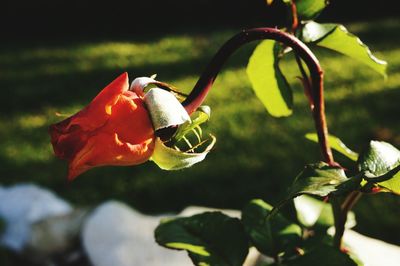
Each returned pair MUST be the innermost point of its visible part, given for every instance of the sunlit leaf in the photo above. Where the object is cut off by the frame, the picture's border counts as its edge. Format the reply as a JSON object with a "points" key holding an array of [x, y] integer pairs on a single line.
{"points": [[335, 144], [210, 238], [381, 163], [313, 31], [270, 235], [267, 80], [392, 184], [310, 9], [342, 41]]}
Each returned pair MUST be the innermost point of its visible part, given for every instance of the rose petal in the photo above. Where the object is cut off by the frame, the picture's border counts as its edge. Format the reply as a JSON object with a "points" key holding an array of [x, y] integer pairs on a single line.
{"points": [[108, 149], [97, 112]]}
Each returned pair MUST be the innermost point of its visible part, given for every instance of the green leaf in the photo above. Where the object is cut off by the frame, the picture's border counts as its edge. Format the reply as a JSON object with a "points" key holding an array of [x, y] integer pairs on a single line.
{"points": [[342, 41], [312, 212], [317, 179], [392, 184], [270, 235], [267, 80], [335, 144], [381, 164], [313, 31], [210, 238], [310, 9], [323, 255]]}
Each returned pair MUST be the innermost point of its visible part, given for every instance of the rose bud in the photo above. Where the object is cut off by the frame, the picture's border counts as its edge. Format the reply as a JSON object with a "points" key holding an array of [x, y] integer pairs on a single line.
{"points": [[118, 128]]}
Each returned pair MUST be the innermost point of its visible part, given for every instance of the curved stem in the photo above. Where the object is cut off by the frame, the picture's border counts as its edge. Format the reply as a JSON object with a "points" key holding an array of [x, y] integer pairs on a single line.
{"points": [[206, 80]]}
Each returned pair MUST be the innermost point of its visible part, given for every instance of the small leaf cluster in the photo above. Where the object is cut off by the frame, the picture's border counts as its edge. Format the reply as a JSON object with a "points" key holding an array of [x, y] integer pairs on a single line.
{"points": [[377, 167], [213, 238]]}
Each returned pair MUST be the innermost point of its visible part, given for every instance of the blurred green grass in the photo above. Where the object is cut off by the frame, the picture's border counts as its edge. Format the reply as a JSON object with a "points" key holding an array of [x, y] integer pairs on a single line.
{"points": [[255, 155]]}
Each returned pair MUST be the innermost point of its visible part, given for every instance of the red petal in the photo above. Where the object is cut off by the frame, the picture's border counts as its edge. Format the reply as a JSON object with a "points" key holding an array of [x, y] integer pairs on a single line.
{"points": [[106, 149], [98, 111]]}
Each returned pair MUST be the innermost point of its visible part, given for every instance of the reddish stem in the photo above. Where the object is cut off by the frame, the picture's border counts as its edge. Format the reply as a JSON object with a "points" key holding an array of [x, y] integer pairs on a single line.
{"points": [[295, 20], [206, 80]]}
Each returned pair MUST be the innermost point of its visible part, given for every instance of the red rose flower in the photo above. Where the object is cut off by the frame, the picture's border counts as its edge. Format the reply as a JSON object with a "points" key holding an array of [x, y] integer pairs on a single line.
{"points": [[114, 129]]}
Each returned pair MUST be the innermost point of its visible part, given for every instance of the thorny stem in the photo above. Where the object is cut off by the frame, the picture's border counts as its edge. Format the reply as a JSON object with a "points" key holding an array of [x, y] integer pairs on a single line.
{"points": [[206, 80], [314, 90]]}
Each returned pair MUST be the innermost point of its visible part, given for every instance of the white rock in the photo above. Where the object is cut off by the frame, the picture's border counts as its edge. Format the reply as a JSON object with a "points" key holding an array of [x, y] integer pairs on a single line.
{"points": [[21, 206], [372, 252], [115, 234]]}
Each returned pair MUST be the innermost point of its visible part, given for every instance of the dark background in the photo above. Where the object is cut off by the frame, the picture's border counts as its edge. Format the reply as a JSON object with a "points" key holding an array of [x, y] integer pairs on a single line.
{"points": [[77, 18]]}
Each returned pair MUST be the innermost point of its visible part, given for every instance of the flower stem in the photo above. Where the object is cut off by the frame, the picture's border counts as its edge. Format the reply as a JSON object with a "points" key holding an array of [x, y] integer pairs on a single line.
{"points": [[340, 220], [206, 80]]}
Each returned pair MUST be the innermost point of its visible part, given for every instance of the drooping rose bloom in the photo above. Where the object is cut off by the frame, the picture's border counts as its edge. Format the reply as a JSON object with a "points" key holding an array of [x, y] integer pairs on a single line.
{"points": [[114, 129], [118, 128]]}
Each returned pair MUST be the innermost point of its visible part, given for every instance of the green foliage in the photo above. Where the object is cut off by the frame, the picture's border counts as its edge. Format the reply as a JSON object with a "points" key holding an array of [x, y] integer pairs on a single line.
{"points": [[336, 37], [317, 179], [335, 144], [267, 80], [313, 31], [271, 235], [210, 238], [323, 255], [380, 163], [310, 9]]}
